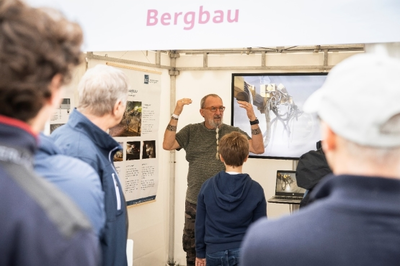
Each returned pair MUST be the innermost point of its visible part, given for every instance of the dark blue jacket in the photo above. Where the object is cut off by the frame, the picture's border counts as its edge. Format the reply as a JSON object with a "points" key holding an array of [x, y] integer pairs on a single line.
{"points": [[39, 224], [354, 220], [74, 177], [81, 139], [226, 206]]}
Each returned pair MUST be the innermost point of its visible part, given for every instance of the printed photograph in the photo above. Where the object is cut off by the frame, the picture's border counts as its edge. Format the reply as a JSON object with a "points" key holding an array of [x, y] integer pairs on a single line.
{"points": [[133, 150], [130, 125], [149, 149]]}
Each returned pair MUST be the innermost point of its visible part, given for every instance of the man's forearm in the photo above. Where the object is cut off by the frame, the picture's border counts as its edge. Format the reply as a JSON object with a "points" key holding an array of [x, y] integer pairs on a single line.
{"points": [[170, 142], [169, 134], [257, 139]]}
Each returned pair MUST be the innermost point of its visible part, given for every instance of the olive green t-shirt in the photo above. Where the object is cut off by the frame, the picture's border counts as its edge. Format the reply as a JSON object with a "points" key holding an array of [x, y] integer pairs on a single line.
{"points": [[200, 144]]}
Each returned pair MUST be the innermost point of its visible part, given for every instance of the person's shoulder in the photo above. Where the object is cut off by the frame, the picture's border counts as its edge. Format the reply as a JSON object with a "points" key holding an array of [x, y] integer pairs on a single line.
{"points": [[280, 227], [79, 247], [64, 131], [193, 126], [74, 143], [228, 128], [73, 166], [65, 135], [256, 184], [44, 205], [210, 181], [190, 130], [258, 249], [60, 129], [312, 154]]}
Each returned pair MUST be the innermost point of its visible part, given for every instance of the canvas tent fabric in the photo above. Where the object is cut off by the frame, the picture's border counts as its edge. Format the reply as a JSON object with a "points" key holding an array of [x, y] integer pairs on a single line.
{"points": [[131, 25]]}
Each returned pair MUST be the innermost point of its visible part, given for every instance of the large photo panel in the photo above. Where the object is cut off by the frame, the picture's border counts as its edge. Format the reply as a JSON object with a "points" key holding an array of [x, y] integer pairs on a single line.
{"points": [[278, 101]]}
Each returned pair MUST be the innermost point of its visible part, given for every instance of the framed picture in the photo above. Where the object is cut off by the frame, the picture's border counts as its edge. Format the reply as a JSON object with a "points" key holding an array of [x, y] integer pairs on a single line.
{"points": [[277, 100]]}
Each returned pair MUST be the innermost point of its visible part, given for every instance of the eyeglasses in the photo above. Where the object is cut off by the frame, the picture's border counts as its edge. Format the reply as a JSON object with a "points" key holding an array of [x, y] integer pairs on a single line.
{"points": [[214, 109]]}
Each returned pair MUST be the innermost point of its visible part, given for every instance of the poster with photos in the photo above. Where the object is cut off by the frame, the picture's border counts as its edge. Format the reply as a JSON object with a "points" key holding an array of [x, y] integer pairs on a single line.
{"points": [[137, 162]]}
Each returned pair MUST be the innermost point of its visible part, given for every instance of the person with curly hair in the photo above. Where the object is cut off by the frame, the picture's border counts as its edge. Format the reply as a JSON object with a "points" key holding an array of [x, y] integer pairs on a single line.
{"points": [[39, 224]]}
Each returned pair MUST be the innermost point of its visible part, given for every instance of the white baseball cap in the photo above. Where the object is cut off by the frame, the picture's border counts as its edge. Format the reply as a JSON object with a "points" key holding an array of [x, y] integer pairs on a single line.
{"points": [[360, 95]]}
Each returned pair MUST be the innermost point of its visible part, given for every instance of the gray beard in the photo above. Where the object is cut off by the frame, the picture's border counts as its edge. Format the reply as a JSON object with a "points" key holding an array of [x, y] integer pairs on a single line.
{"points": [[214, 124]]}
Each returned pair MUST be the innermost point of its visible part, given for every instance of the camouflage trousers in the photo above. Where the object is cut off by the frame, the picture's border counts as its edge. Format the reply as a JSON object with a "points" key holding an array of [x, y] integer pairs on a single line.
{"points": [[188, 240]]}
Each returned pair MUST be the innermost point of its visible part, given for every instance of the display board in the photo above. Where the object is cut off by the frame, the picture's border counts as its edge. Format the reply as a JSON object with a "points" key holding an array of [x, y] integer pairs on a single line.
{"points": [[137, 163], [278, 100]]}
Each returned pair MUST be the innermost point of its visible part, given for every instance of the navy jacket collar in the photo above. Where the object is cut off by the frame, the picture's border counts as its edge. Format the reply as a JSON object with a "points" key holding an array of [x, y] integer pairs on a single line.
{"points": [[15, 133], [358, 191], [81, 123]]}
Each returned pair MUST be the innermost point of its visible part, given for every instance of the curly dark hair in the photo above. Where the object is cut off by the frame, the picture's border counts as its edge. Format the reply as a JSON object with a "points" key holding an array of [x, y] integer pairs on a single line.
{"points": [[35, 45]]}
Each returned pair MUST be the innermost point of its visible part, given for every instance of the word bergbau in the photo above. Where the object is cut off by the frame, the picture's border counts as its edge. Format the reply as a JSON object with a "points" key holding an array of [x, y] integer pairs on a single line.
{"points": [[189, 18]]}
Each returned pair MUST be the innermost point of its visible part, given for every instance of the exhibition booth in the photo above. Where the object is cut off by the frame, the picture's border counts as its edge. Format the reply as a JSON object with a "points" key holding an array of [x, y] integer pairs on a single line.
{"points": [[187, 49]]}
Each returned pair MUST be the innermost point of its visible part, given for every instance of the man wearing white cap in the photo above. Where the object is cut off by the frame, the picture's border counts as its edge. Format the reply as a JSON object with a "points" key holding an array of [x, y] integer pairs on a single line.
{"points": [[355, 217]]}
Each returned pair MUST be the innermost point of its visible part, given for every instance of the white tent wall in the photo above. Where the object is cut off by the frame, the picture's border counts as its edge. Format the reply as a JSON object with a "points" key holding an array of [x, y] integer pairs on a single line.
{"points": [[149, 223]]}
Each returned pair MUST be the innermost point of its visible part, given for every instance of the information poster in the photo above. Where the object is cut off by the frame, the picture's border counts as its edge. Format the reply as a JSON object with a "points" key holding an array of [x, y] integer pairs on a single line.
{"points": [[137, 162]]}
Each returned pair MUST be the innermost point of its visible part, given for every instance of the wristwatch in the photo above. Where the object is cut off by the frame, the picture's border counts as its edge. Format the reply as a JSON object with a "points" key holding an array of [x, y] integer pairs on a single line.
{"points": [[254, 122]]}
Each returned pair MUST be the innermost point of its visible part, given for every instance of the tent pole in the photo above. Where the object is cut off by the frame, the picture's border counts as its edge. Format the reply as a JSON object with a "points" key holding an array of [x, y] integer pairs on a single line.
{"points": [[171, 240]]}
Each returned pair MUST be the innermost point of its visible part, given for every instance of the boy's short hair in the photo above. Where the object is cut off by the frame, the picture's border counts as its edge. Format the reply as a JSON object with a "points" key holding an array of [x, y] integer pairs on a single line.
{"points": [[234, 148]]}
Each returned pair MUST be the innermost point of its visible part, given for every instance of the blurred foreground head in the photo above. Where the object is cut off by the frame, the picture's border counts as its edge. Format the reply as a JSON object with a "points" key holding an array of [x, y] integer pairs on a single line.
{"points": [[360, 100], [36, 44], [359, 106]]}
